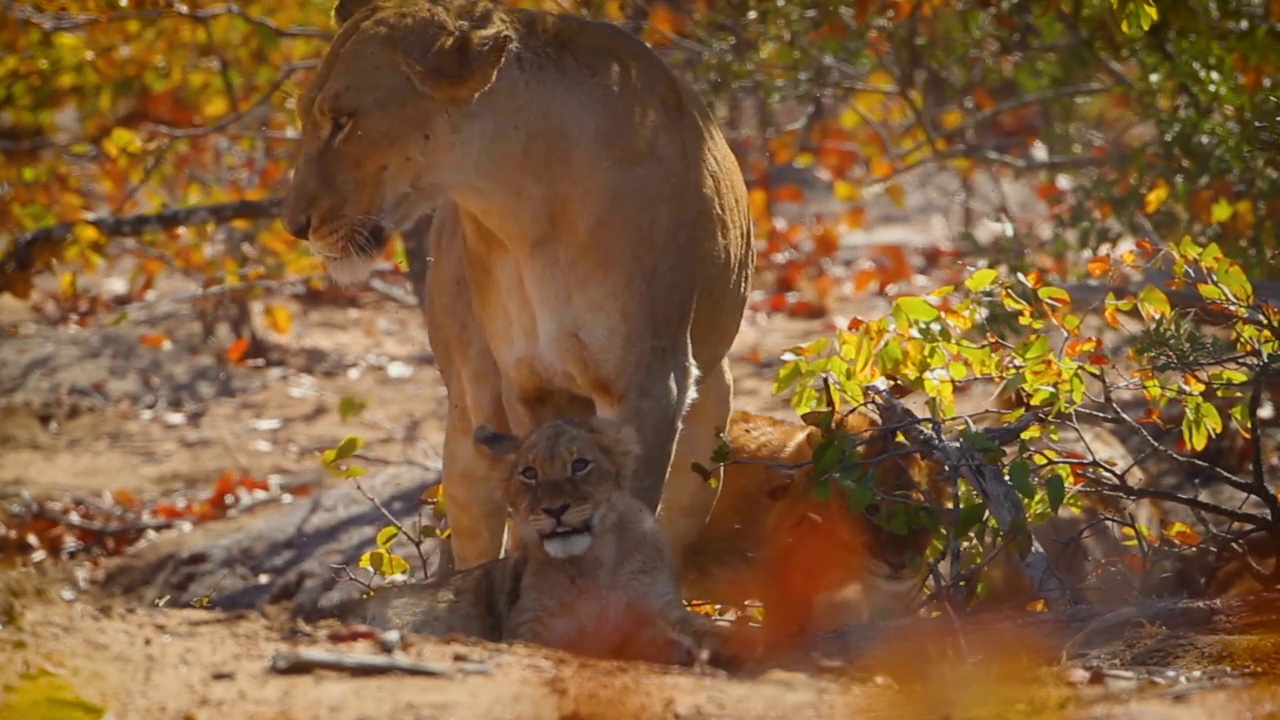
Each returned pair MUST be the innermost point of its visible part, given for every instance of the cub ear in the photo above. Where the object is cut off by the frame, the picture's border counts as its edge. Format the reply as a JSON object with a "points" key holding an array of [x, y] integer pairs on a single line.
{"points": [[344, 9], [501, 445], [460, 66]]}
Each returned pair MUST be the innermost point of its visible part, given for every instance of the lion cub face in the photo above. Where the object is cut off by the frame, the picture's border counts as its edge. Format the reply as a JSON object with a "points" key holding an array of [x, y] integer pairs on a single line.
{"points": [[565, 478]]}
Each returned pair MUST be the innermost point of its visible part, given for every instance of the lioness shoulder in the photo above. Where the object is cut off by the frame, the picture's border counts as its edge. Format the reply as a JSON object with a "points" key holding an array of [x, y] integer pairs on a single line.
{"points": [[813, 563]]}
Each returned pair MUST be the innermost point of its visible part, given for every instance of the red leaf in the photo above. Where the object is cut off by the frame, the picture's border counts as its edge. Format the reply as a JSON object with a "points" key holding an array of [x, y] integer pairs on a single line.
{"points": [[237, 349]]}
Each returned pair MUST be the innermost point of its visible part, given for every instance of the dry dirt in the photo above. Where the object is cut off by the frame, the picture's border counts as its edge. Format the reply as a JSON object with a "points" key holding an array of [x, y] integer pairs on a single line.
{"points": [[96, 410]]}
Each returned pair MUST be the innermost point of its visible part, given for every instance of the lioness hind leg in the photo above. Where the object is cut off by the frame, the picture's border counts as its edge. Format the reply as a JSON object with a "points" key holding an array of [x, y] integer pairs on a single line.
{"points": [[688, 498]]}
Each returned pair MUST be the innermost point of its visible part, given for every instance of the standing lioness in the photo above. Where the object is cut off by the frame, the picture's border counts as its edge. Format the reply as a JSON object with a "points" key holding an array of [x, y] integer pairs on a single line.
{"points": [[591, 243]]}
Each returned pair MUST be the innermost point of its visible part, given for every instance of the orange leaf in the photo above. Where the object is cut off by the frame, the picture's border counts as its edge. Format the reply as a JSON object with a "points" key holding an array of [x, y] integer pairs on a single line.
{"points": [[237, 349], [983, 99], [865, 278], [854, 218], [1148, 250], [825, 241], [896, 194], [1099, 265], [1046, 190], [663, 24], [789, 193], [880, 167], [1099, 360], [155, 340], [124, 498], [1182, 534]]}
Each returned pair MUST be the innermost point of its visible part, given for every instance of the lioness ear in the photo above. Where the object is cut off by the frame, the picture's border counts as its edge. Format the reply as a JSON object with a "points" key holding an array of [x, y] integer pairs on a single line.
{"points": [[344, 9], [500, 444], [460, 66]]}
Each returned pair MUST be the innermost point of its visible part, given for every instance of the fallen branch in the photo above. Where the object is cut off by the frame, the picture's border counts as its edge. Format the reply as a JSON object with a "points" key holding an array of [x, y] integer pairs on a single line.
{"points": [[290, 662], [1002, 500]]}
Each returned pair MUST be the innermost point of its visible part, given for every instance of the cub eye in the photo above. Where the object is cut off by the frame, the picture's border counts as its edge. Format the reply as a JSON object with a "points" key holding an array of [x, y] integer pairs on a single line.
{"points": [[338, 124], [579, 466], [530, 474]]}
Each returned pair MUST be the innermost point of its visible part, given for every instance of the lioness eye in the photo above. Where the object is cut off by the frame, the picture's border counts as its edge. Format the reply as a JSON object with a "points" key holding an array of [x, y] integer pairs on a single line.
{"points": [[530, 473], [337, 125], [579, 466]]}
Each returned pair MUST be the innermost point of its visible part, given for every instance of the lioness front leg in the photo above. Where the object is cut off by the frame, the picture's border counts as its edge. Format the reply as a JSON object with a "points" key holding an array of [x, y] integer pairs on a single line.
{"points": [[476, 506], [653, 410]]}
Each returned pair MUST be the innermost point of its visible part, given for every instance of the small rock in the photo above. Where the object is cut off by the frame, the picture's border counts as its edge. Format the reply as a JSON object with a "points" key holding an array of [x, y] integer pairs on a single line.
{"points": [[398, 370], [1076, 676], [223, 675], [266, 424]]}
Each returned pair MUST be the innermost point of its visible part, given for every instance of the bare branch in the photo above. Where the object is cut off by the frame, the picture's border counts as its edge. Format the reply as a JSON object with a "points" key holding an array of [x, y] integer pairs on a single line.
{"points": [[288, 662]]}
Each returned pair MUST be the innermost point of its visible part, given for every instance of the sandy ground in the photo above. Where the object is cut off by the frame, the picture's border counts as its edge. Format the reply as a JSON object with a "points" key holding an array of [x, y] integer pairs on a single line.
{"points": [[86, 414]]}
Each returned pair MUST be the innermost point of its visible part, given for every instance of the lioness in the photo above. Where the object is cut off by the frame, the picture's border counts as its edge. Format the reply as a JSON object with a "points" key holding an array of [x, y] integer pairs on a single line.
{"points": [[814, 564], [591, 242], [593, 575]]}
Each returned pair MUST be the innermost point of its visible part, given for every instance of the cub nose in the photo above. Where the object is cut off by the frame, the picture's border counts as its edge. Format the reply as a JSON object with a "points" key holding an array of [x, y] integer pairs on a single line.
{"points": [[556, 511], [300, 227]]}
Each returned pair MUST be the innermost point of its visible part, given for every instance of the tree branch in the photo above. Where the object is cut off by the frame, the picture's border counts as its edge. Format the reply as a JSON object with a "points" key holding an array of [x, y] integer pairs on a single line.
{"points": [[32, 251], [1002, 500]]}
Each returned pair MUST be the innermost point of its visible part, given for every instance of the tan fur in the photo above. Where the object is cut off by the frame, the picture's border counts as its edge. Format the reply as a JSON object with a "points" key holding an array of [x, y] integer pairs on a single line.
{"points": [[814, 565], [591, 246], [617, 598]]}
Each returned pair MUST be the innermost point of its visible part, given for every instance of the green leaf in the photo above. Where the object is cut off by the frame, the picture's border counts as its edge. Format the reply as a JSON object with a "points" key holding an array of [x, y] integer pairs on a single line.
{"points": [[386, 535], [916, 309], [861, 495], [827, 456], [1020, 478], [1056, 490], [970, 516], [1054, 296], [1153, 303], [981, 279], [349, 446], [349, 407]]}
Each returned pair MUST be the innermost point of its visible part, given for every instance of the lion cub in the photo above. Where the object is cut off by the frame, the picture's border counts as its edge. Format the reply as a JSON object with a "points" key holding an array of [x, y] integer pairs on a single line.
{"points": [[812, 563], [592, 577]]}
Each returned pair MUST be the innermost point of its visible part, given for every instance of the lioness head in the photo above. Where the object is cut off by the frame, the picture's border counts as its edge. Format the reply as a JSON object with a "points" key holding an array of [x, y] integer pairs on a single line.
{"points": [[383, 120], [565, 479], [904, 483]]}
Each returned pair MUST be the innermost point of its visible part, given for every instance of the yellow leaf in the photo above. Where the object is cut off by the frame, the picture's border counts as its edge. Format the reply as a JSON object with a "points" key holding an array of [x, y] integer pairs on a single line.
{"points": [[279, 319], [1245, 215], [215, 105], [804, 159], [951, 119], [896, 194], [1155, 197], [850, 119], [1222, 211], [612, 11], [86, 234], [846, 191], [67, 283], [1182, 533]]}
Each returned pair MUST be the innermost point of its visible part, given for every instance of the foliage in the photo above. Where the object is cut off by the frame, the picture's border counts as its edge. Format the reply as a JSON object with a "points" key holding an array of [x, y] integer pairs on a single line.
{"points": [[938, 343]]}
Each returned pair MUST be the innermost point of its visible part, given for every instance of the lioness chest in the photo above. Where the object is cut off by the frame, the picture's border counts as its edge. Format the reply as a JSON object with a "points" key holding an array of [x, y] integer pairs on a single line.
{"points": [[549, 331]]}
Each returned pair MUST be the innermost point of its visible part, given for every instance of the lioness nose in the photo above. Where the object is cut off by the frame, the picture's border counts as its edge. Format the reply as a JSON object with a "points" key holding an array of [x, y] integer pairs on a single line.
{"points": [[556, 511], [300, 227]]}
